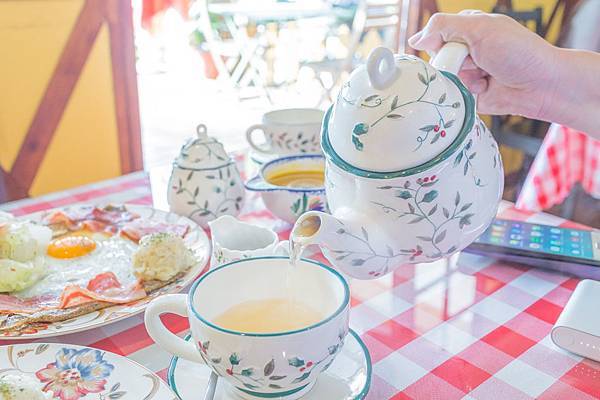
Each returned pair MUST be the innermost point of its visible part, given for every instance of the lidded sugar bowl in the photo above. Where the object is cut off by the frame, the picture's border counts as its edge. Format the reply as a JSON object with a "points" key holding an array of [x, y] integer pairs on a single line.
{"points": [[412, 174], [205, 182]]}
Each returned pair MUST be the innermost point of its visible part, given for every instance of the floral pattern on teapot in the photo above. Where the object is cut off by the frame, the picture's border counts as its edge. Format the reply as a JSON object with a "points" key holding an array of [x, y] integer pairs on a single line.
{"points": [[223, 184], [204, 182], [437, 206], [438, 122]]}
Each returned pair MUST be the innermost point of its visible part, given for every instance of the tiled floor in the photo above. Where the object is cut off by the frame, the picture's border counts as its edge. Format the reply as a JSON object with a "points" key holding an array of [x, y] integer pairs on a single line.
{"points": [[173, 103]]}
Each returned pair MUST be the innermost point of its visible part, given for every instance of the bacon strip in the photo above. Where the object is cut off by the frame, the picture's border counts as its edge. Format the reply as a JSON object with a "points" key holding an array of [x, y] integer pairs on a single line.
{"points": [[137, 229], [113, 215], [95, 219], [13, 305], [104, 287]]}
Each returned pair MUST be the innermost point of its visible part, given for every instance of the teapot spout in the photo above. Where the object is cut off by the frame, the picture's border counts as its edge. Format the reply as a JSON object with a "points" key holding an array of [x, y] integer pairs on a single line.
{"points": [[348, 244], [314, 227]]}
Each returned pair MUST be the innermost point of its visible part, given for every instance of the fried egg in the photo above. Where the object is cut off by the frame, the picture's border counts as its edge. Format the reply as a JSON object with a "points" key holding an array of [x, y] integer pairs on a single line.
{"points": [[78, 257], [71, 247]]}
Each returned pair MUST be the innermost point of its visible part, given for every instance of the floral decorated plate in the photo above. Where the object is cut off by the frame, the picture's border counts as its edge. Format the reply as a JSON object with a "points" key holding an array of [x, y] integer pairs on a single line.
{"points": [[196, 240], [71, 372], [348, 378]]}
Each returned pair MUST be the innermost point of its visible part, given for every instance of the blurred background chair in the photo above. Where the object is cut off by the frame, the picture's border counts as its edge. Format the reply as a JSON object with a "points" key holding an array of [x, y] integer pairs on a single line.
{"points": [[381, 17], [236, 55]]}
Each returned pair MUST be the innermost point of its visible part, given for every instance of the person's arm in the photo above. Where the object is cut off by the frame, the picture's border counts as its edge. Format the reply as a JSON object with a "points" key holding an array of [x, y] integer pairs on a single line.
{"points": [[576, 99], [514, 71]]}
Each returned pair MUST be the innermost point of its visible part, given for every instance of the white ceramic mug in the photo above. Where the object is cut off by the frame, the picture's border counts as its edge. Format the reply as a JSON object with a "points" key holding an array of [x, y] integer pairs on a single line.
{"points": [[259, 365], [234, 240], [288, 131]]}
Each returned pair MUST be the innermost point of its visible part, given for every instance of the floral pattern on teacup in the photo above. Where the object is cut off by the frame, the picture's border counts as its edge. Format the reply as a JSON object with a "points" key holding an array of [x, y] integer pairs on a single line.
{"points": [[75, 374], [307, 203], [296, 142], [270, 376]]}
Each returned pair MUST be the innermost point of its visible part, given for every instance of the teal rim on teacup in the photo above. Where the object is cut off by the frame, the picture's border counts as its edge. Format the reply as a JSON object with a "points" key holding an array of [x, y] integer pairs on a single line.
{"points": [[467, 126], [363, 393], [338, 311]]}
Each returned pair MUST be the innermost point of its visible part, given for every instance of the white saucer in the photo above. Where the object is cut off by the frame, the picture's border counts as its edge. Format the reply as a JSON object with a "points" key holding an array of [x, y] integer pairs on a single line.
{"points": [[348, 378]]}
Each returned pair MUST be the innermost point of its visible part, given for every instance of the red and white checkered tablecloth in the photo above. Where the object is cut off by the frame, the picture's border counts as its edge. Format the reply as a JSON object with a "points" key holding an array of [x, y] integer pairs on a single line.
{"points": [[471, 327], [566, 157]]}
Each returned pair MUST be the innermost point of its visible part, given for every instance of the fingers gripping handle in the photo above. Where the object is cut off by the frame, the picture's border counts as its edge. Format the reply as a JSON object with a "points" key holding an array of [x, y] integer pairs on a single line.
{"points": [[176, 304], [450, 57]]}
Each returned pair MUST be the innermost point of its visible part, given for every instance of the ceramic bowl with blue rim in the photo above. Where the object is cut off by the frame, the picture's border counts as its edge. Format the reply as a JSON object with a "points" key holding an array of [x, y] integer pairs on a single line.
{"points": [[292, 185]]}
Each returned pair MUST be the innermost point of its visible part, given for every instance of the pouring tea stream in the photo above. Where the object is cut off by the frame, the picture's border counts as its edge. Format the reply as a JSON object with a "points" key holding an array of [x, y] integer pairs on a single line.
{"points": [[412, 174]]}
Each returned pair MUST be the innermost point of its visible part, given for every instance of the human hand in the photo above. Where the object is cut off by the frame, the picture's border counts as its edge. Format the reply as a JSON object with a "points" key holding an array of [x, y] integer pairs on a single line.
{"points": [[509, 67]]}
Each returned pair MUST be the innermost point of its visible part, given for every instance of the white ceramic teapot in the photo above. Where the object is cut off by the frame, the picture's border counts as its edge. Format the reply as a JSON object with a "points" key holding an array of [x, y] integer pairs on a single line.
{"points": [[205, 182], [412, 174]]}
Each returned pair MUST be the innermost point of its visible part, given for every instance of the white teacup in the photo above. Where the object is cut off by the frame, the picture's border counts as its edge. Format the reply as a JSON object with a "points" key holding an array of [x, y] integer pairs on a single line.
{"points": [[234, 240], [259, 365], [289, 131]]}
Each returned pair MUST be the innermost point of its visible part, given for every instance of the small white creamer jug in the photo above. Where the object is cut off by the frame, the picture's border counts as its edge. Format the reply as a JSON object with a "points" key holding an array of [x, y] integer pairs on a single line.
{"points": [[234, 240]]}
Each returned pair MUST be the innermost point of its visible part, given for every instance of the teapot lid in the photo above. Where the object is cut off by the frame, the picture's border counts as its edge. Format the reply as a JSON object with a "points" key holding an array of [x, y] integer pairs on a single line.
{"points": [[396, 112], [202, 152]]}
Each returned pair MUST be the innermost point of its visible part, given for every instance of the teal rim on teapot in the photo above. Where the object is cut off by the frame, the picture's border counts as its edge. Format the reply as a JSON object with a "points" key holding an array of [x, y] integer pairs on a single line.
{"points": [[332, 156]]}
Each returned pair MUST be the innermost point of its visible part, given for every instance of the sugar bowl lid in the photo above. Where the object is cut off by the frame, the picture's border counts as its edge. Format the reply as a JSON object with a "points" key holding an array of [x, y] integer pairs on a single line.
{"points": [[397, 111], [202, 152]]}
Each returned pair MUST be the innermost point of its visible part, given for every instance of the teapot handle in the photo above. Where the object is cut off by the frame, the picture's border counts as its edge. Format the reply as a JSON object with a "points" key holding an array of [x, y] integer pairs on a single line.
{"points": [[381, 68], [450, 57]]}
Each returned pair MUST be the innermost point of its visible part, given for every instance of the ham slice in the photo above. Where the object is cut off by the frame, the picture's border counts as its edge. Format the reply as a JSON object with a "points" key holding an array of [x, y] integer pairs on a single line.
{"points": [[14, 305], [94, 219], [137, 229], [104, 287], [113, 215]]}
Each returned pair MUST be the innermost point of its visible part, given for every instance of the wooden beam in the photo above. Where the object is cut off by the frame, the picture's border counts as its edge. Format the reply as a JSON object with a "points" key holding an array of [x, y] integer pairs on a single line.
{"points": [[9, 188], [119, 17], [58, 92]]}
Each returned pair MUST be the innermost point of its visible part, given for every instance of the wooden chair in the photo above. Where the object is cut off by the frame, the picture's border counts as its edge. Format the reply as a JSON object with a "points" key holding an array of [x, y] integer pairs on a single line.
{"points": [[236, 55]]}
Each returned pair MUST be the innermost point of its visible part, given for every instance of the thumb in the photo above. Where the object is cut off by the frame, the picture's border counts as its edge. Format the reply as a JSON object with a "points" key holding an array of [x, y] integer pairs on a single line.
{"points": [[442, 28]]}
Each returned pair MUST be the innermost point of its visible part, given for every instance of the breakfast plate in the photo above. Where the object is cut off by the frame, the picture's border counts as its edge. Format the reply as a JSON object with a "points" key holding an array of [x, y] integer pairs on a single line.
{"points": [[195, 239], [69, 372], [348, 378]]}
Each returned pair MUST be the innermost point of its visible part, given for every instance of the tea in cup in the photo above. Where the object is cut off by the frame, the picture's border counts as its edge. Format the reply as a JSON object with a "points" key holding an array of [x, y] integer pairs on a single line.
{"points": [[291, 186], [288, 131], [267, 328]]}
